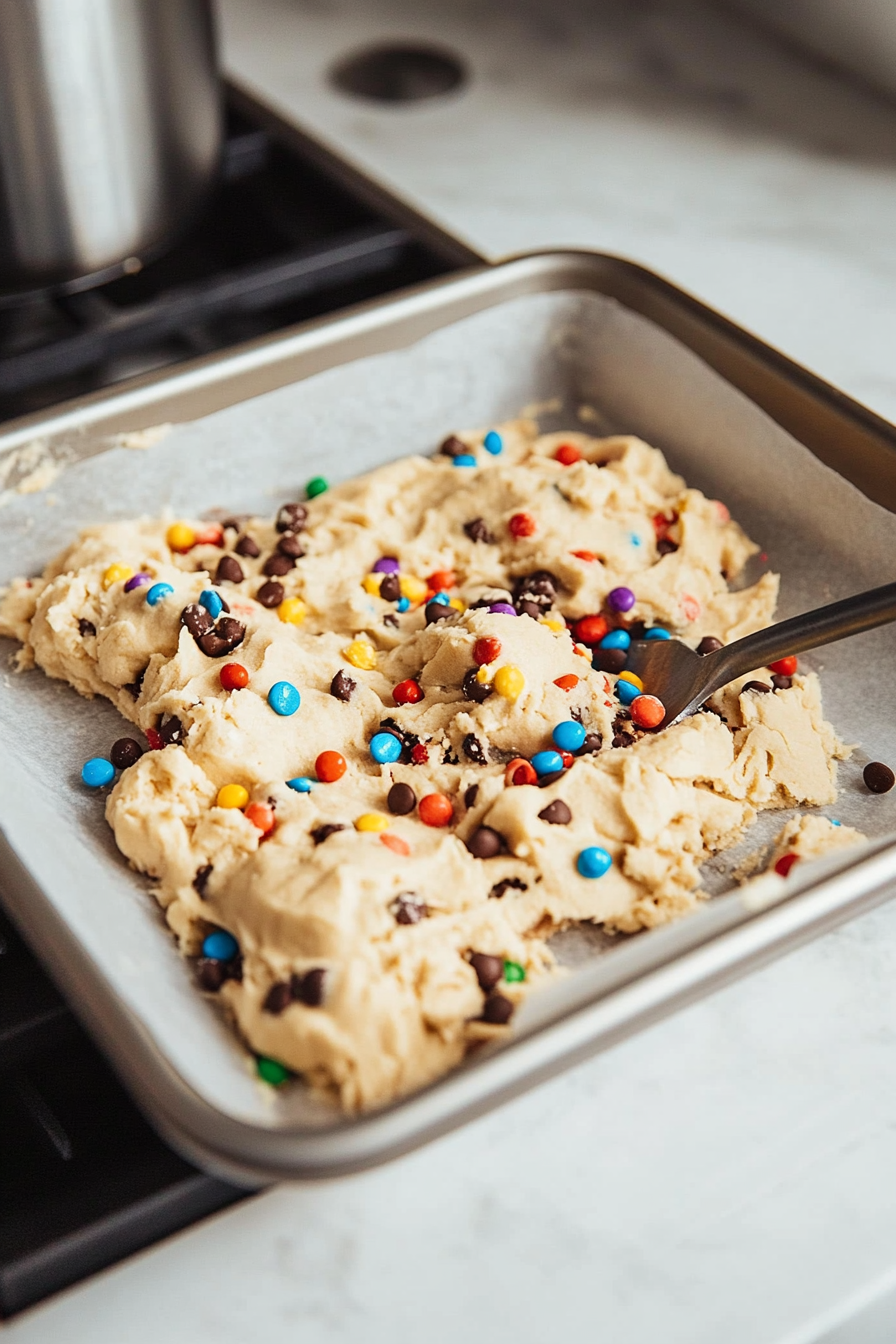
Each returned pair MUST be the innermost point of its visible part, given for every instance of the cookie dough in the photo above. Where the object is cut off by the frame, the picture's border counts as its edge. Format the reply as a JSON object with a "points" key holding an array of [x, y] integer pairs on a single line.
{"points": [[374, 949]]}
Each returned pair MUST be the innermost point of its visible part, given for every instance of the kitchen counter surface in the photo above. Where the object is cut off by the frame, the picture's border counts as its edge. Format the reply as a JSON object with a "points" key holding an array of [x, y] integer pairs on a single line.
{"points": [[727, 1174]]}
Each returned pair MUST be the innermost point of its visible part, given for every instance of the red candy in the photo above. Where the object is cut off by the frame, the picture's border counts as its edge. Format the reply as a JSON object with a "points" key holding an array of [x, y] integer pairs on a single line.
{"points": [[567, 683], [520, 771], [407, 692], [785, 667], [213, 535], [647, 711], [568, 455], [567, 759], [435, 810], [441, 579], [785, 863], [522, 525], [591, 629], [419, 754], [234, 677], [155, 740], [330, 766], [486, 650], [261, 816]]}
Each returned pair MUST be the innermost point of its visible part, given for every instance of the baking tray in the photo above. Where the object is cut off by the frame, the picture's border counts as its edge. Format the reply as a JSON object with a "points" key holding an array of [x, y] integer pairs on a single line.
{"points": [[726, 409]]}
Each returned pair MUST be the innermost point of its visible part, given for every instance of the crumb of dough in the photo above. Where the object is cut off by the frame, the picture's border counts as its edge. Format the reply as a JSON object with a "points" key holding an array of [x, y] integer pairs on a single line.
{"points": [[358, 925], [809, 837]]}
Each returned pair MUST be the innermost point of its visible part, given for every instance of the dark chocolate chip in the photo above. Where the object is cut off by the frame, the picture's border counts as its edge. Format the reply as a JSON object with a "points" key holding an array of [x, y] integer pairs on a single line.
{"points": [[556, 813], [591, 746], [342, 686], [229, 570], [408, 908], [709, 644], [125, 752], [172, 732], [200, 881], [232, 631], [309, 988], [879, 778], [86, 628], [270, 594], [540, 584], [498, 1010], [197, 620], [478, 530], [453, 446], [474, 750], [526, 608], [212, 645], [390, 619], [609, 660], [390, 588], [636, 629], [470, 795], [552, 778], [761, 687], [665, 546], [248, 547], [449, 757], [623, 740], [781, 683], [291, 518], [401, 799], [290, 545], [277, 565], [225, 605], [475, 690], [279, 996], [234, 523], [488, 969], [485, 843], [437, 611], [212, 974], [136, 686], [322, 833], [507, 884]]}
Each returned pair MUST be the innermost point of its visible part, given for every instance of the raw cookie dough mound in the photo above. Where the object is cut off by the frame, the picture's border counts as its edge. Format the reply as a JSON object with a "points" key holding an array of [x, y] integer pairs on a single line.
{"points": [[392, 748]]}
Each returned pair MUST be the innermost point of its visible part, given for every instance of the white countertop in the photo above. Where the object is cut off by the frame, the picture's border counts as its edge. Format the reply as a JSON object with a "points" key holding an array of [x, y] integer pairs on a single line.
{"points": [[729, 1174]]}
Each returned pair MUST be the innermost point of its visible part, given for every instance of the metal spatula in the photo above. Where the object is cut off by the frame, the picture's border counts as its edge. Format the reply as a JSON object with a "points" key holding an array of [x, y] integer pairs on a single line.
{"points": [[683, 679]]}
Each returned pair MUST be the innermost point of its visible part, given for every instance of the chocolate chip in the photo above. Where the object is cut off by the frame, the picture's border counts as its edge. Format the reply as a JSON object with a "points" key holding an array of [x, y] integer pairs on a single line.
{"points": [[248, 547], [234, 523], [507, 884], [437, 611], [277, 565], [390, 619], [623, 740], [197, 620], [474, 750], [526, 608], [473, 689], [125, 752], [212, 646], [172, 732], [497, 1010], [452, 446], [229, 570], [309, 988], [86, 628], [478, 530], [390, 588], [278, 997], [666, 547], [401, 799], [226, 636], [212, 974], [485, 843], [781, 683], [609, 660], [879, 778], [552, 778], [290, 545], [591, 746], [408, 908], [556, 813], [488, 969], [760, 686], [291, 518], [270, 594], [322, 833], [470, 795], [540, 586], [200, 881], [342, 686], [136, 686], [709, 644]]}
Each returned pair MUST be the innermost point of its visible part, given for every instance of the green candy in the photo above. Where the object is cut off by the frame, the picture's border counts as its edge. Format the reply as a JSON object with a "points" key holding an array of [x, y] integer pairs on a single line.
{"points": [[271, 1071], [514, 972], [318, 485]]}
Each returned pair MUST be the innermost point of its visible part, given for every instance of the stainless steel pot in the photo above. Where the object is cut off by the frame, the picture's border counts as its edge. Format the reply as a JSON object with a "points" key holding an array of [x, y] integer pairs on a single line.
{"points": [[110, 131]]}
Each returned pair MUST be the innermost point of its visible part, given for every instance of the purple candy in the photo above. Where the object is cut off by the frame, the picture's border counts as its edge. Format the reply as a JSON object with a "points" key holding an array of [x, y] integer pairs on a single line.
{"points": [[137, 581], [502, 609], [387, 564], [620, 599]]}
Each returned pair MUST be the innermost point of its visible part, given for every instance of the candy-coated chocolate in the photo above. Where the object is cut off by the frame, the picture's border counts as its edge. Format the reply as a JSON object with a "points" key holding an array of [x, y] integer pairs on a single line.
{"points": [[233, 677], [272, 1071], [502, 609], [567, 454], [785, 667], [616, 639], [435, 810], [593, 862], [547, 762], [97, 772], [626, 692], [158, 592], [284, 699], [137, 581], [522, 525], [464, 460], [385, 748], [360, 653], [213, 604], [372, 821], [620, 599], [292, 611], [443, 598], [514, 972], [402, 604], [330, 766], [633, 678], [568, 682], [301, 784], [486, 650], [785, 863], [318, 485], [657, 632], [387, 564], [261, 816], [647, 711], [396, 843], [180, 537], [569, 735], [220, 945], [493, 443], [407, 692], [116, 573], [232, 795], [509, 682], [518, 772], [442, 579], [591, 630]]}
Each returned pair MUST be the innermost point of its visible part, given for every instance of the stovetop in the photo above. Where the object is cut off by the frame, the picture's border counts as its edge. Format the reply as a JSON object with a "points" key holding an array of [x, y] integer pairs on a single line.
{"points": [[288, 235]]}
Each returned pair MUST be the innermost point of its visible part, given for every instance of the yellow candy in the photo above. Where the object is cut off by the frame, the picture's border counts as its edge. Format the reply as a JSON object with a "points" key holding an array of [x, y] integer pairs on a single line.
{"points": [[180, 537], [630, 676], [232, 795], [556, 626], [510, 682], [457, 604], [413, 589], [361, 654], [371, 584], [485, 674], [372, 821], [292, 610], [117, 574]]}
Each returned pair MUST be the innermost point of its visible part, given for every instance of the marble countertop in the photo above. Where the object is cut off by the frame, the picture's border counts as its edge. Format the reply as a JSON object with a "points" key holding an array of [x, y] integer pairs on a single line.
{"points": [[727, 1174]]}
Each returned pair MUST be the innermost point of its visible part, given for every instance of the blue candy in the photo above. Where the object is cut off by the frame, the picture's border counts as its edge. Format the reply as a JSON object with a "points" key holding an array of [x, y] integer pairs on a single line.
{"points": [[657, 632], [220, 945], [568, 735], [97, 772], [465, 460], [546, 762], [493, 443], [212, 603], [283, 698], [385, 748], [593, 862], [402, 604], [627, 692], [836, 823], [635, 539], [301, 784], [441, 597], [158, 592], [616, 639]]}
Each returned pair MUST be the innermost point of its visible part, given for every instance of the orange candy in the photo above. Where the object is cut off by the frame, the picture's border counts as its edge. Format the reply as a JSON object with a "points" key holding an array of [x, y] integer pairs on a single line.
{"points": [[690, 606], [442, 578], [234, 677], [486, 650], [587, 556], [568, 454], [647, 711], [395, 843], [330, 766], [212, 535], [435, 810], [591, 629], [522, 525], [520, 771], [785, 667], [567, 683], [407, 692], [261, 816]]}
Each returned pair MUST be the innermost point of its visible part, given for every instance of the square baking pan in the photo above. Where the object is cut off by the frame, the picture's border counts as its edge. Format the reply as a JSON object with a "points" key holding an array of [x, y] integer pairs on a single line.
{"points": [[591, 340]]}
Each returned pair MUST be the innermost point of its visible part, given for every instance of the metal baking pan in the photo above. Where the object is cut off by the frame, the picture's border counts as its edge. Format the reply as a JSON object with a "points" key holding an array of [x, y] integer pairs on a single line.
{"points": [[588, 330]]}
